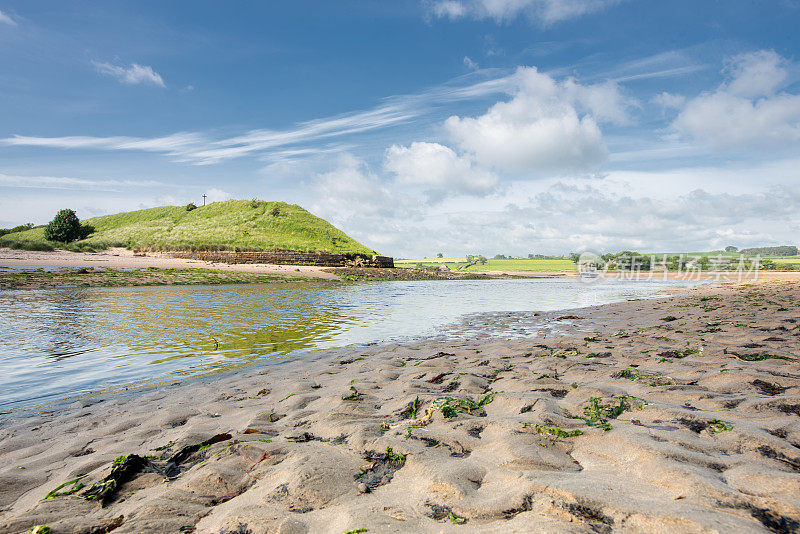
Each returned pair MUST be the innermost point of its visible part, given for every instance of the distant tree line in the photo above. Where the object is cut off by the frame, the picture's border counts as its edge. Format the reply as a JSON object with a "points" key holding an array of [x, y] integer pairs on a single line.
{"points": [[785, 250], [627, 260]]}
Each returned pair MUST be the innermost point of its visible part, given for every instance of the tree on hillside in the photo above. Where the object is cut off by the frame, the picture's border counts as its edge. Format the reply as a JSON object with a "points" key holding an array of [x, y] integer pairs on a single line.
{"points": [[439, 255], [66, 227], [730, 248]]}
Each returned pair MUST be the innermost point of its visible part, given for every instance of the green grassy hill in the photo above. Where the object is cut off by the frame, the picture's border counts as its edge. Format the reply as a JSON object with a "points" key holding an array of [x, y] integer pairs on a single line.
{"points": [[230, 225]]}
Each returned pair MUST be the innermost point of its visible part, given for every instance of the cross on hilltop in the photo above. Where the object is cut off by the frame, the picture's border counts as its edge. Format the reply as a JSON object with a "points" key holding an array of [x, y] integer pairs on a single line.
{"points": [[204, 199]]}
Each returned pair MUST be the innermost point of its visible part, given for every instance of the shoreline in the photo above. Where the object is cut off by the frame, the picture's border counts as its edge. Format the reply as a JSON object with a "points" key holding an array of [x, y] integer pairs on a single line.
{"points": [[119, 267], [123, 263], [519, 446], [121, 258]]}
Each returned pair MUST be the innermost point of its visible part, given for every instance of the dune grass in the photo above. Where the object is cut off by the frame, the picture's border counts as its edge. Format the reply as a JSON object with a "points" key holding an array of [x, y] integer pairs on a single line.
{"points": [[231, 225]]}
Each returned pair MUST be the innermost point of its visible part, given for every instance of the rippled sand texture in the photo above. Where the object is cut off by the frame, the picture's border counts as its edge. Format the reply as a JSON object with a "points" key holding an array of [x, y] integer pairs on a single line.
{"points": [[672, 415]]}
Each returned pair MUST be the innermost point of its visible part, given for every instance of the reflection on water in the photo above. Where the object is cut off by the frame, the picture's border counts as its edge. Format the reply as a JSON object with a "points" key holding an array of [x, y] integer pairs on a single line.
{"points": [[63, 342]]}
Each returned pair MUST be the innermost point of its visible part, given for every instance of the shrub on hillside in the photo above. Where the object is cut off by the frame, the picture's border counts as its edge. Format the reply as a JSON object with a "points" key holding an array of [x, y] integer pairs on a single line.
{"points": [[275, 211], [190, 206], [66, 227], [20, 228]]}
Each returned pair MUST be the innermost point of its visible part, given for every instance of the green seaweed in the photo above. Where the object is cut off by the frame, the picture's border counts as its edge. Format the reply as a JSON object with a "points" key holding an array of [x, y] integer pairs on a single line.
{"points": [[396, 456], [119, 460], [715, 426], [503, 369], [449, 411], [452, 406], [597, 414], [354, 396], [679, 353], [554, 431], [652, 379], [356, 531], [455, 519], [41, 529], [123, 468], [77, 485], [187, 451], [287, 396], [758, 357]]}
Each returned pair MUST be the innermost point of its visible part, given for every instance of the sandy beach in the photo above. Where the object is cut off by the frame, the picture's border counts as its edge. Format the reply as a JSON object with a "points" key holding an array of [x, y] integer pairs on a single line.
{"points": [[122, 258], [677, 414]]}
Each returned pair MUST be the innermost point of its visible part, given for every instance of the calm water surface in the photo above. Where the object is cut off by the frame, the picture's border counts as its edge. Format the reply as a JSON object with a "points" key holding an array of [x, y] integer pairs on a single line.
{"points": [[58, 343]]}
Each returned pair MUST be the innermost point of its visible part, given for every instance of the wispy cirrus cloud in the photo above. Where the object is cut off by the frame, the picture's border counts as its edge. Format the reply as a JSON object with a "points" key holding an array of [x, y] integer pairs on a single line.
{"points": [[6, 19], [544, 12], [63, 182], [667, 64], [133, 74], [202, 149]]}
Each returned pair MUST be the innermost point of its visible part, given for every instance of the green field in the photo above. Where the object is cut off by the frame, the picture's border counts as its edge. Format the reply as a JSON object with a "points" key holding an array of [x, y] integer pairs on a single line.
{"points": [[786, 261], [229, 225], [521, 265]]}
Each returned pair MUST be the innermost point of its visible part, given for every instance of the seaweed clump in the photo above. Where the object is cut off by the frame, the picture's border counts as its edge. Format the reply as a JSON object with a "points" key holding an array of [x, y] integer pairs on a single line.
{"points": [[381, 468], [452, 406], [598, 414]]}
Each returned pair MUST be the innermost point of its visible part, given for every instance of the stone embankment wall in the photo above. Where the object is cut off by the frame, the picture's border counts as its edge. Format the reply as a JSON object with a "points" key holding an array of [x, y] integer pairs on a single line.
{"points": [[290, 258]]}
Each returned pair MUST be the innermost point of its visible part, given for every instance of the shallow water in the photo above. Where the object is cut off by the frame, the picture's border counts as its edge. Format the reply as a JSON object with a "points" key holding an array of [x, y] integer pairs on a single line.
{"points": [[59, 343]]}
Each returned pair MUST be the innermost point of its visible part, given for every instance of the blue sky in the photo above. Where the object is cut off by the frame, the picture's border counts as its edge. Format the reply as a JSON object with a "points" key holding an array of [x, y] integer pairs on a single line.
{"points": [[454, 126]]}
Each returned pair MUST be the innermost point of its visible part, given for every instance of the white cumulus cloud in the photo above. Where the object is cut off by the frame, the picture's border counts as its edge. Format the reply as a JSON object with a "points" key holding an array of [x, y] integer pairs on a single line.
{"points": [[133, 74], [439, 169], [747, 109], [547, 126], [755, 74]]}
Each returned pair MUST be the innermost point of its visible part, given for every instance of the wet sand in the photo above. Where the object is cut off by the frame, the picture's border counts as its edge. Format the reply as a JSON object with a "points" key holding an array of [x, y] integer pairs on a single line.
{"points": [[677, 414]]}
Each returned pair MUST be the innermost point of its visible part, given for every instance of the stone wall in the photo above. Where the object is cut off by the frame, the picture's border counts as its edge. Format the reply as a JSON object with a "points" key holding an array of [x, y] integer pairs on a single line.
{"points": [[290, 258]]}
